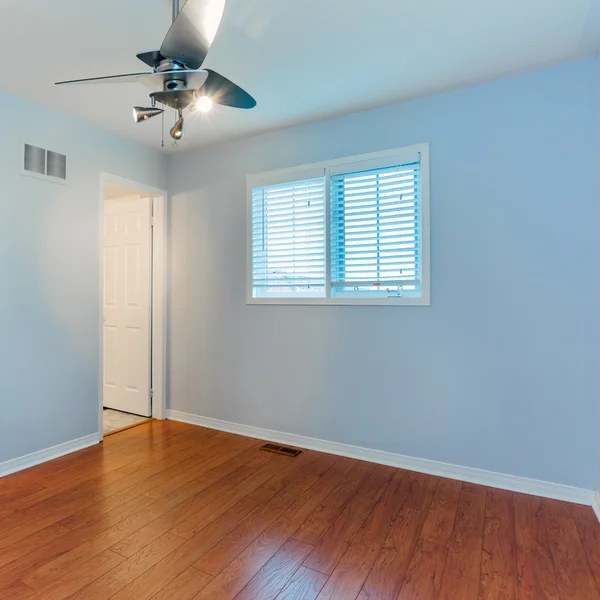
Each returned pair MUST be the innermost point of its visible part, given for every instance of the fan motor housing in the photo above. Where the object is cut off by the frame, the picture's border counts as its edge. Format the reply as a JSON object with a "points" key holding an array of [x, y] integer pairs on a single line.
{"points": [[174, 85], [177, 99], [169, 65]]}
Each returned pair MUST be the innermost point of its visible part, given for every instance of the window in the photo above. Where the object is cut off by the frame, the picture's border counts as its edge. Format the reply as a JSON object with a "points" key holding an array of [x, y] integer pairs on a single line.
{"points": [[350, 231], [288, 239]]}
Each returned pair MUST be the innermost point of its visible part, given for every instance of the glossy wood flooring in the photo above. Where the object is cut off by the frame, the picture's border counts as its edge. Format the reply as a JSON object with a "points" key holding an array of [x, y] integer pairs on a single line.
{"points": [[168, 511]]}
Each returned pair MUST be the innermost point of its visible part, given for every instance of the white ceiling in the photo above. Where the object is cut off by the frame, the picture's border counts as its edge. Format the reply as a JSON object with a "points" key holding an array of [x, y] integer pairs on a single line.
{"points": [[302, 60]]}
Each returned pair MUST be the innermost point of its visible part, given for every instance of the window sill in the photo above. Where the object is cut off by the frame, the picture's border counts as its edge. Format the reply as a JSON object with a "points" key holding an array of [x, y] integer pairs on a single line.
{"points": [[424, 301]]}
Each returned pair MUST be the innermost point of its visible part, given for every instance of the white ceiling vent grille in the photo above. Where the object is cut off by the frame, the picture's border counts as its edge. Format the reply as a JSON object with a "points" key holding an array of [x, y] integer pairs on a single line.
{"points": [[43, 164]]}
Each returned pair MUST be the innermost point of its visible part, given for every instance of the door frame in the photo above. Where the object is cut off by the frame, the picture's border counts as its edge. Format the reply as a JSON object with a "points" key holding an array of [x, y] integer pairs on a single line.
{"points": [[158, 382]]}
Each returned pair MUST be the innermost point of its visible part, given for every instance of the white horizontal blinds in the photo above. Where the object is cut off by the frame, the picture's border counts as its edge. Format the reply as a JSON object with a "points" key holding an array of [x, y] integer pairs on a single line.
{"points": [[376, 231], [288, 239]]}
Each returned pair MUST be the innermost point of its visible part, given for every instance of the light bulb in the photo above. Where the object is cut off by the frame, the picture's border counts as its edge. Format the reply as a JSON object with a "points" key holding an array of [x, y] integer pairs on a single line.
{"points": [[203, 104], [177, 131]]}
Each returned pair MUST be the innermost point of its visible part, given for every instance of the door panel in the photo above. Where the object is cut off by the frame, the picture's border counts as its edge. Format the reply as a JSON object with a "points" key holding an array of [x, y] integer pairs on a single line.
{"points": [[127, 313], [110, 355]]}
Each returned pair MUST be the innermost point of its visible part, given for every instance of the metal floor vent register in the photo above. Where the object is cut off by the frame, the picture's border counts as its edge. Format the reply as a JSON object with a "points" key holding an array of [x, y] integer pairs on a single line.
{"points": [[281, 450]]}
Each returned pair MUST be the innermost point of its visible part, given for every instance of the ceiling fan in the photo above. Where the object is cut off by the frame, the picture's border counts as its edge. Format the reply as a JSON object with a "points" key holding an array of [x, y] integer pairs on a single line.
{"points": [[177, 79]]}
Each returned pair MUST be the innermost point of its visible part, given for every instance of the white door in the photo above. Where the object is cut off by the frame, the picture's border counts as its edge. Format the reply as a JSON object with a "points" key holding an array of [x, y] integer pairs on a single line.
{"points": [[127, 313]]}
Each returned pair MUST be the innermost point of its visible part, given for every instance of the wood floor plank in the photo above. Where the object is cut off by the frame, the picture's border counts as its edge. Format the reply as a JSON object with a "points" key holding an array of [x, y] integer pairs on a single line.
{"points": [[278, 571], [173, 565], [147, 477], [93, 525], [64, 473], [573, 575], [87, 542], [233, 542], [72, 582], [19, 492], [130, 448], [589, 533], [33, 520], [109, 584], [424, 574], [387, 574], [16, 590], [53, 472], [203, 449], [116, 516], [236, 575], [321, 520], [498, 578], [35, 540], [90, 513], [40, 556], [135, 456], [184, 587], [337, 538], [422, 491], [223, 462], [187, 444], [267, 465], [352, 570], [558, 508], [103, 538], [304, 585], [535, 569], [213, 485], [160, 488], [90, 481], [462, 571]]}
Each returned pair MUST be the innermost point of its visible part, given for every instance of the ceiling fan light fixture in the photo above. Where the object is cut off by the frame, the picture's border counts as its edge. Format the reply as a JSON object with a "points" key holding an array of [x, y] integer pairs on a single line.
{"points": [[143, 113], [177, 132], [178, 80], [203, 104]]}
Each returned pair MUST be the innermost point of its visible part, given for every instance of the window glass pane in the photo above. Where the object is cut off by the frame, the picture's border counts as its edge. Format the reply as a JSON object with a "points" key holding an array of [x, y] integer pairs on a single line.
{"points": [[376, 233], [288, 240]]}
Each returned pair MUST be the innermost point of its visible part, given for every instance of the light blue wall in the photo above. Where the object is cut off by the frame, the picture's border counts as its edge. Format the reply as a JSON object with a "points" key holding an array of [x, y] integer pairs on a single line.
{"points": [[50, 275], [500, 372]]}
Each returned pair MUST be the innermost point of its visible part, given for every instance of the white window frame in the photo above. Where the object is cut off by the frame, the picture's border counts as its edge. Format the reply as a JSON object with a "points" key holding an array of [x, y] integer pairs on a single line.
{"points": [[386, 158]]}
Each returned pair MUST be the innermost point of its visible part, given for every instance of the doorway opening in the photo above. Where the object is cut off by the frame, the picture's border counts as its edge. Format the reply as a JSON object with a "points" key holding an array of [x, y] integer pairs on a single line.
{"points": [[132, 304]]}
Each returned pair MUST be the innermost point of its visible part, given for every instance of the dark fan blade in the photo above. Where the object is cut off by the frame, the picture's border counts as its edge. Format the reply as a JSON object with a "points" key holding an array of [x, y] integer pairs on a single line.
{"points": [[223, 91], [152, 59], [129, 78], [193, 32], [153, 81]]}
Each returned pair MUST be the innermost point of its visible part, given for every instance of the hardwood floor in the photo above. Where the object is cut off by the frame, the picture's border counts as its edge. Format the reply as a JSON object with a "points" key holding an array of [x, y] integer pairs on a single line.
{"points": [[169, 511]]}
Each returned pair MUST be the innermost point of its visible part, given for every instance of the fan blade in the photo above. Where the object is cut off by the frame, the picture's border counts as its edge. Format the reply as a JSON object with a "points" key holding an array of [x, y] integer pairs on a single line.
{"points": [[153, 81], [193, 32], [152, 59], [129, 78], [225, 92]]}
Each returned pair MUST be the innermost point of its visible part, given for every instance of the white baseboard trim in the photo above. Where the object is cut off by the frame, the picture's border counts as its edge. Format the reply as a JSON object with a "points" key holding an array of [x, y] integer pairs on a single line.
{"points": [[36, 458], [479, 476], [596, 504]]}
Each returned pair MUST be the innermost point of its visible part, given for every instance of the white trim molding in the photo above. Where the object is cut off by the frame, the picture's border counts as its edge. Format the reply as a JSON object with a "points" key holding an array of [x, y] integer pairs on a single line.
{"points": [[158, 371], [512, 483], [596, 504], [41, 456], [323, 170]]}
